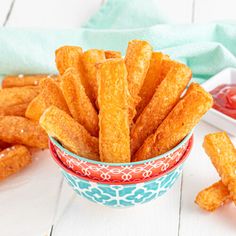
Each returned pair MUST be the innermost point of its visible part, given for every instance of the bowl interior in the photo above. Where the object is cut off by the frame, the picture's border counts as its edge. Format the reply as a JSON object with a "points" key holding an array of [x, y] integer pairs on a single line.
{"points": [[69, 171], [56, 143]]}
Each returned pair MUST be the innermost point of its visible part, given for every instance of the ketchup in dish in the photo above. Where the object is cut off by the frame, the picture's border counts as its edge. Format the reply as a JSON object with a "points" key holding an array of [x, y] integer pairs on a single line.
{"points": [[225, 99]]}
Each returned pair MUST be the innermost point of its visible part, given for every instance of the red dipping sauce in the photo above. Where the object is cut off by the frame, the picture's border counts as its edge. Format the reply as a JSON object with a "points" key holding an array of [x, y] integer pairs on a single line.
{"points": [[225, 99]]}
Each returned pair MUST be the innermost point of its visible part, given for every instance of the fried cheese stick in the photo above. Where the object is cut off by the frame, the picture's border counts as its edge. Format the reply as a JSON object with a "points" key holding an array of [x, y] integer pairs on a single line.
{"points": [[114, 137], [213, 197], [164, 99], [89, 59], [14, 101], [25, 80], [69, 132], [151, 81], [19, 130], [112, 54], [180, 121], [78, 102], [13, 159], [222, 153], [137, 60], [51, 94]]}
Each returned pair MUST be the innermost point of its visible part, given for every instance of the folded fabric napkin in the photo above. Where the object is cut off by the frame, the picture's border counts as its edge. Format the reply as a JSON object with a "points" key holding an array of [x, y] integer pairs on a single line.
{"points": [[207, 48]]}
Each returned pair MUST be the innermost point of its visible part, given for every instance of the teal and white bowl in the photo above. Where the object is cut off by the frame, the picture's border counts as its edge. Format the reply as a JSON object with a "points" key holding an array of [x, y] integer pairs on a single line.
{"points": [[122, 194]]}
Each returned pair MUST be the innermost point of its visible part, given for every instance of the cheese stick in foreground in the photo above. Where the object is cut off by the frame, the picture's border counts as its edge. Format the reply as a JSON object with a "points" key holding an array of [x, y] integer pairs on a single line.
{"points": [[213, 197], [25, 80], [114, 139], [222, 153], [51, 94], [19, 130], [13, 159], [164, 99], [180, 121], [70, 133], [78, 102]]}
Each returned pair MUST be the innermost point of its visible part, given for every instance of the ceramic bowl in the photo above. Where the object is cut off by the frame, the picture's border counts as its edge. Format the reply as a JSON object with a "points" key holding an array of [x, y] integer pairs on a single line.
{"points": [[121, 172], [123, 194]]}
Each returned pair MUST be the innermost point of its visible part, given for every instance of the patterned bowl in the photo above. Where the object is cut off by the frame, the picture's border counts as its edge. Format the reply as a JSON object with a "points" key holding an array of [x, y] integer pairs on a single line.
{"points": [[123, 194], [121, 172]]}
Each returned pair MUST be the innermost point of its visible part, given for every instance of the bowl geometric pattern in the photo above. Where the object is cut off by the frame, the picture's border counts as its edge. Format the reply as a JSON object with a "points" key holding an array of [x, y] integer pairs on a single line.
{"points": [[123, 195], [131, 172]]}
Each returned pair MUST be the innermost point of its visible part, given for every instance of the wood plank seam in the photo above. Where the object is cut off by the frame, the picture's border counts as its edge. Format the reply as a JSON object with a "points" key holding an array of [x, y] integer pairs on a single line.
{"points": [[180, 203], [56, 204], [9, 13]]}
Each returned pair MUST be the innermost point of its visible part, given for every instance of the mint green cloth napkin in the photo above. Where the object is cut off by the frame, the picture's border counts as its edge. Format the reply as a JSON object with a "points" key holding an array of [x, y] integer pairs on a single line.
{"points": [[207, 48]]}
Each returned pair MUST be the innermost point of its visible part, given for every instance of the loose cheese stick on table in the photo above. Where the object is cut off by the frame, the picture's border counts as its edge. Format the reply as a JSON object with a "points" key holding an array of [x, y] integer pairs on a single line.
{"points": [[164, 99], [114, 139], [112, 54], [51, 94], [13, 159], [19, 130], [67, 56], [25, 80], [222, 153], [70, 133], [152, 80], [213, 197], [14, 101], [78, 102], [180, 121], [90, 58]]}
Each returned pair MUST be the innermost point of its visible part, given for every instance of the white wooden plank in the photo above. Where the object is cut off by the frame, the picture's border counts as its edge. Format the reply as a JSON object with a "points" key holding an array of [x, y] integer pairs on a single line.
{"points": [[4, 8], [27, 199], [77, 216], [199, 173], [212, 10], [53, 13]]}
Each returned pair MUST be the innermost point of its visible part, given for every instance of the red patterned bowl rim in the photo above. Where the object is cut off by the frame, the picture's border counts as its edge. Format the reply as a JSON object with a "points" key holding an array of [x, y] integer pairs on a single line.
{"points": [[56, 143], [66, 169]]}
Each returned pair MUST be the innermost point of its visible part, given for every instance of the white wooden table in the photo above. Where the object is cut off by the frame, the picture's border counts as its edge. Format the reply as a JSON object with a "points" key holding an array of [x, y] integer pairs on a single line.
{"points": [[38, 202]]}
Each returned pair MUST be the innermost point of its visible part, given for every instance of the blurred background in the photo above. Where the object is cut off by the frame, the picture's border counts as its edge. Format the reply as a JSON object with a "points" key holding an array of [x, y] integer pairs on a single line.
{"points": [[74, 13]]}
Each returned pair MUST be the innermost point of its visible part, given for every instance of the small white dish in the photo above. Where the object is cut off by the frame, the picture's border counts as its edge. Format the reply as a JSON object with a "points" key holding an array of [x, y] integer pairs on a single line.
{"points": [[214, 117]]}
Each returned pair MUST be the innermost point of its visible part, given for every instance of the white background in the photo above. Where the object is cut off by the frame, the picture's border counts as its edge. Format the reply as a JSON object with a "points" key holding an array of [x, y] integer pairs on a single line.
{"points": [[38, 202]]}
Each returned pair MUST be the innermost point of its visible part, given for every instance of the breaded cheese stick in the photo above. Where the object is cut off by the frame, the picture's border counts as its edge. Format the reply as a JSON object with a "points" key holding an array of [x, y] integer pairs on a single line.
{"points": [[89, 59], [71, 57], [13, 159], [51, 94], [66, 57], [137, 60], [19, 130], [180, 121], [25, 80], [70, 133], [4, 145], [14, 101], [114, 140], [112, 54], [222, 153], [164, 99], [152, 80], [78, 102], [213, 197]]}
